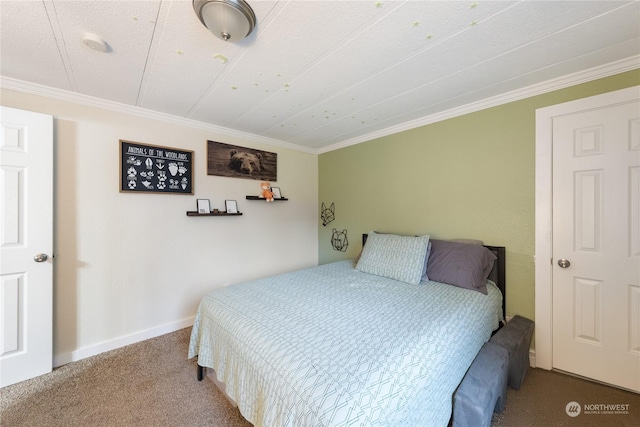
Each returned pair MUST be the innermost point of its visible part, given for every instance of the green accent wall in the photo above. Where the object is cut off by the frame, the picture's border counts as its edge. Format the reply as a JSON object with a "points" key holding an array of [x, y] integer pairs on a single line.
{"points": [[471, 176]]}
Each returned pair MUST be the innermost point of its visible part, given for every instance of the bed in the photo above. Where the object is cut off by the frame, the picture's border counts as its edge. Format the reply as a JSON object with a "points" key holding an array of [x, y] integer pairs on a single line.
{"points": [[349, 343]]}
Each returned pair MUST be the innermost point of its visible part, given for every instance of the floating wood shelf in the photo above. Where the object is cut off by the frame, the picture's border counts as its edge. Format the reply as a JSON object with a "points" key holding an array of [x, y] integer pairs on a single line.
{"points": [[194, 213], [262, 198]]}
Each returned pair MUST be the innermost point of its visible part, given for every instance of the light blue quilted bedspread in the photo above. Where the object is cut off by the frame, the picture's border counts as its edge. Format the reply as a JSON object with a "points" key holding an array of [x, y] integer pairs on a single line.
{"points": [[333, 346]]}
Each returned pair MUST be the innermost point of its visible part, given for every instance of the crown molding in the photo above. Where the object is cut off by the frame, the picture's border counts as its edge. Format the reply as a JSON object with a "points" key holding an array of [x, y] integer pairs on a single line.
{"points": [[90, 101], [584, 76]]}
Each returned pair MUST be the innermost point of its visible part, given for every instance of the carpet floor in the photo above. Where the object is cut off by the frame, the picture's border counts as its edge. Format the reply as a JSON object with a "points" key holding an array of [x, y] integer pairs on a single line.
{"points": [[152, 383]]}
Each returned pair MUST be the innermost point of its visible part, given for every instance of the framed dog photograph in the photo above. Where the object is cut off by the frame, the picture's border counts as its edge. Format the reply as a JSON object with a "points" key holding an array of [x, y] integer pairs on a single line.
{"points": [[204, 206], [231, 206], [241, 162]]}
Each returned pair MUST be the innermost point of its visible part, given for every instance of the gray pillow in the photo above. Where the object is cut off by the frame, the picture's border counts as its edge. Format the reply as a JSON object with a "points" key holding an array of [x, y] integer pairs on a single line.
{"points": [[459, 264]]}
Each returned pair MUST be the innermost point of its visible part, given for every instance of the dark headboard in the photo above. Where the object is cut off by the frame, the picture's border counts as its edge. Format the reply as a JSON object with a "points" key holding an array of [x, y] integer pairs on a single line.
{"points": [[497, 275]]}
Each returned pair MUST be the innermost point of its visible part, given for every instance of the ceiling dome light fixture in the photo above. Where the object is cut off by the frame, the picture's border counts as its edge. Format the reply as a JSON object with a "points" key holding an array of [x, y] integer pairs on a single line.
{"points": [[229, 20]]}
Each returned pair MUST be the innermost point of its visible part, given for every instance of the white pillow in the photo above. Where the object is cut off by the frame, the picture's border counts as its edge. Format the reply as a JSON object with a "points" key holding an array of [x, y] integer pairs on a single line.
{"points": [[396, 257]]}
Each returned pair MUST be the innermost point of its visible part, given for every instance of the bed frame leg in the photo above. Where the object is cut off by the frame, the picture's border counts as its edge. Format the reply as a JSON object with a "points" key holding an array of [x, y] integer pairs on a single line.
{"points": [[200, 372]]}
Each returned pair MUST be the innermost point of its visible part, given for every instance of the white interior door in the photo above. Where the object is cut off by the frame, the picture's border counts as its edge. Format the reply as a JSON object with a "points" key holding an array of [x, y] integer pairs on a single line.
{"points": [[26, 245], [596, 244]]}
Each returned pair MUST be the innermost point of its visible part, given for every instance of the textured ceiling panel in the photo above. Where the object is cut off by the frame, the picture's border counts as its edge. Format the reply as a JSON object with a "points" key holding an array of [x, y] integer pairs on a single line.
{"points": [[268, 70], [382, 45], [117, 74], [313, 73], [465, 66], [185, 60], [28, 47]]}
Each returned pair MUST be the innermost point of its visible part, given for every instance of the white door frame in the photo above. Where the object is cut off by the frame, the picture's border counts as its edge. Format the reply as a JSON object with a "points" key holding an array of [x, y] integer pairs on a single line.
{"points": [[544, 211]]}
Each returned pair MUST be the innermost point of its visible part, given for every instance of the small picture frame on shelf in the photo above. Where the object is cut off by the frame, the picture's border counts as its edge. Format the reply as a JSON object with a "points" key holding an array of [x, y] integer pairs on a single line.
{"points": [[276, 192], [231, 206], [204, 206]]}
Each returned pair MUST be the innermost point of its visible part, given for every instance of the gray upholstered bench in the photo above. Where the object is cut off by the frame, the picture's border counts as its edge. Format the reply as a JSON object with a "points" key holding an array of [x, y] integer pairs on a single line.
{"points": [[483, 389], [515, 336]]}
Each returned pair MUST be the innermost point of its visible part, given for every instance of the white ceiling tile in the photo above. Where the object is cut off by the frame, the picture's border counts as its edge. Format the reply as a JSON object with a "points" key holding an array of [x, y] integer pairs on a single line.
{"points": [[185, 58], [313, 73], [28, 46], [266, 70], [458, 73], [117, 73], [379, 45]]}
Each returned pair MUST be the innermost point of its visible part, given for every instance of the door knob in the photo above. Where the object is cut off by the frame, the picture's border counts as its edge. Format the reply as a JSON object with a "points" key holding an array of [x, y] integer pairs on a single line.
{"points": [[564, 263], [40, 257]]}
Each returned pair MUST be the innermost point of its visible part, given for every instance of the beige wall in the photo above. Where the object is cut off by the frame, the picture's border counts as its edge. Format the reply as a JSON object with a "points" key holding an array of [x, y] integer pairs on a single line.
{"points": [[130, 266], [467, 177]]}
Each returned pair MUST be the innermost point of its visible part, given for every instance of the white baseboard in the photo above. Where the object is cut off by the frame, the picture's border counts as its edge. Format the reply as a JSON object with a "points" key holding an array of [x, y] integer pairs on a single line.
{"points": [[82, 353], [532, 358]]}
